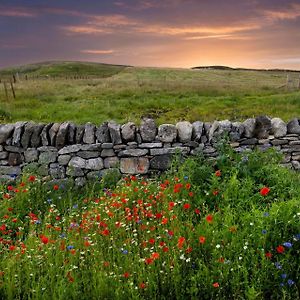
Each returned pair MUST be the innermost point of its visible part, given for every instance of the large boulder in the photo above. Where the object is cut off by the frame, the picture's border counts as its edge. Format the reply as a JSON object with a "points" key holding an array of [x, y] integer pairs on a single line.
{"points": [[167, 133], [134, 165], [128, 132], [28, 131], [115, 133], [89, 133], [197, 130], [5, 132], [102, 133], [293, 126], [262, 127], [185, 131], [249, 127], [279, 128], [148, 130], [62, 134], [19, 129]]}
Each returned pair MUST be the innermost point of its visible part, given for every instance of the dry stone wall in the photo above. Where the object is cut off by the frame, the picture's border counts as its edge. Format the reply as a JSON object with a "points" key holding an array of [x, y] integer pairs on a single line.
{"points": [[63, 150]]}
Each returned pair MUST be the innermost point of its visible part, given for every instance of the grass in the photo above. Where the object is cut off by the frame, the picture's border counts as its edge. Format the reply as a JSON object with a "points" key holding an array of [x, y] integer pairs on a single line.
{"points": [[127, 93], [204, 230]]}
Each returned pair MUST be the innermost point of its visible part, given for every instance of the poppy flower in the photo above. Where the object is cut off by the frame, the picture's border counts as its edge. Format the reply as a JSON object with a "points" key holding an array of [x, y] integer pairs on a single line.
{"points": [[180, 242], [197, 211], [280, 249], [44, 239], [218, 173], [264, 191], [55, 187], [216, 285], [31, 178], [142, 285], [268, 255], [186, 206], [202, 239], [155, 255], [209, 219]]}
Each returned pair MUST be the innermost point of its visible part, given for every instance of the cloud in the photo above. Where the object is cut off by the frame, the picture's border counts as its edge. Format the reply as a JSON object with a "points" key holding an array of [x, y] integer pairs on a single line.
{"points": [[17, 12], [98, 52], [290, 13]]}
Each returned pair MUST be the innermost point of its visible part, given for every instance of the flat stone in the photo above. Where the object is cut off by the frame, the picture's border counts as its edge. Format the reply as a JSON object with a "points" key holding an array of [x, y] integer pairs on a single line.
{"points": [[53, 132], [293, 126], [94, 164], [184, 130], [134, 165], [295, 157], [131, 145], [107, 153], [102, 133], [161, 162], [163, 151], [115, 133], [5, 132], [252, 141], [48, 157], [19, 129], [62, 134], [91, 147], [197, 130], [209, 150], [14, 149], [277, 142], [64, 159], [111, 162], [71, 137], [47, 149], [79, 134], [77, 162], [3, 163], [119, 147], [88, 154], [295, 142], [133, 152], [213, 129], [237, 131], [235, 145], [262, 127], [128, 132], [150, 145], [74, 171], [45, 134], [295, 164], [148, 130], [69, 149], [14, 159], [89, 133], [36, 139], [3, 155], [167, 133], [192, 144], [8, 170], [279, 128], [249, 127], [107, 145]]}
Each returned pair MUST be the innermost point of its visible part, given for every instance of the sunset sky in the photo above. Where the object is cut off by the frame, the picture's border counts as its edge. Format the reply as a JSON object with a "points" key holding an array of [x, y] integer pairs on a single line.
{"points": [[172, 33]]}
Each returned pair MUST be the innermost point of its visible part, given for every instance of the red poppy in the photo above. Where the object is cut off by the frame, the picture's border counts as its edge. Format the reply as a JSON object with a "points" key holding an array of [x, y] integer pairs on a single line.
{"points": [[31, 178], [12, 247], [10, 188], [264, 191], [197, 211], [44, 239], [218, 173], [268, 255], [216, 285], [152, 241], [202, 239], [126, 275], [209, 218], [215, 192], [165, 249], [180, 242], [186, 206], [142, 285], [280, 249], [155, 255], [148, 261], [55, 187]]}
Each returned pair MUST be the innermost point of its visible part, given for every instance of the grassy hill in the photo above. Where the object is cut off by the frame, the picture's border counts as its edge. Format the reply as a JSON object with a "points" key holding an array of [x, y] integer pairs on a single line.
{"points": [[104, 92]]}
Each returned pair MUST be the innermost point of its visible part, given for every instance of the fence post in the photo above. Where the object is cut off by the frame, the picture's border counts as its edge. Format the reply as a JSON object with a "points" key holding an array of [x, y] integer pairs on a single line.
{"points": [[12, 89], [5, 89]]}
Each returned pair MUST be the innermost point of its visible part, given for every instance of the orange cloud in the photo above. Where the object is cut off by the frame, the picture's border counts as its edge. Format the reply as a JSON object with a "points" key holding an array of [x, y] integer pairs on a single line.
{"points": [[290, 13], [100, 52], [17, 12]]}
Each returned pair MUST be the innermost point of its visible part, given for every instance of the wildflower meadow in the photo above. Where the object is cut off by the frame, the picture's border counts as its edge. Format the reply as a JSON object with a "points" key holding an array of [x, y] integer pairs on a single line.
{"points": [[223, 229]]}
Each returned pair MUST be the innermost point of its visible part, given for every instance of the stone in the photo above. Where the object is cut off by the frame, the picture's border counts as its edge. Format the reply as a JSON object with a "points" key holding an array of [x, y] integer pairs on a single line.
{"points": [[150, 145], [45, 134], [162, 151], [185, 131], [91, 147], [36, 139], [52, 133], [296, 164], [3, 155], [57, 172], [133, 152], [46, 149], [262, 127], [224, 127], [14, 159], [43, 170], [26, 137], [62, 134], [5, 132], [161, 162], [252, 141], [119, 147], [80, 181], [94, 175], [292, 127], [192, 144], [115, 133], [71, 137], [79, 134], [17, 135], [148, 130], [111, 162], [3, 163], [213, 129], [48, 157], [9, 170], [74, 171], [197, 131], [77, 162], [295, 142], [209, 150], [89, 133], [249, 127], [64, 159], [69, 149], [279, 142], [107, 153], [206, 127], [237, 131], [131, 145], [134, 165], [14, 149], [167, 133], [94, 164], [88, 154], [31, 154], [31, 168], [279, 128], [128, 132], [102, 133], [107, 145]]}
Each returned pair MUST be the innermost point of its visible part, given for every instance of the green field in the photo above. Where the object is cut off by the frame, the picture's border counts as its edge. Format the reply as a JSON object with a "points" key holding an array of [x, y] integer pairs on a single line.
{"points": [[108, 92]]}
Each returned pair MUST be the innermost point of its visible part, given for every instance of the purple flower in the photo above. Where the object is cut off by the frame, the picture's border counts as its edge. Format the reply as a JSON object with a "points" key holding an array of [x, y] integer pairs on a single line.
{"points": [[125, 251], [278, 265], [288, 245], [266, 214], [283, 276], [264, 231], [290, 282], [297, 237], [70, 247]]}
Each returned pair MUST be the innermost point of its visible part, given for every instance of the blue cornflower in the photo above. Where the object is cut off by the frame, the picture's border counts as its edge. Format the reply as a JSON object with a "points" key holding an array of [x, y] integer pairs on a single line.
{"points": [[186, 177], [245, 158], [281, 284], [70, 247], [13, 176], [283, 276], [63, 235], [264, 231], [49, 200], [124, 251], [288, 244], [37, 222], [290, 282], [75, 206], [266, 214], [297, 236], [278, 265]]}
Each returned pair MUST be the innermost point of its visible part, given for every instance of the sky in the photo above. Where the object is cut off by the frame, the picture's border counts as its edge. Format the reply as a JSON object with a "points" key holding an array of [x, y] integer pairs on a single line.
{"points": [[158, 33]]}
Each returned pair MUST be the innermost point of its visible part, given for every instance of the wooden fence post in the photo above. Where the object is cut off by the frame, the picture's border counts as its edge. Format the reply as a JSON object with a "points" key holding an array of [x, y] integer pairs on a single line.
{"points": [[5, 89], [12, 89]]}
